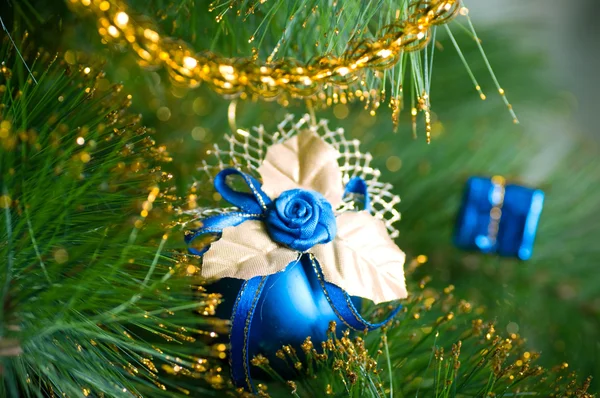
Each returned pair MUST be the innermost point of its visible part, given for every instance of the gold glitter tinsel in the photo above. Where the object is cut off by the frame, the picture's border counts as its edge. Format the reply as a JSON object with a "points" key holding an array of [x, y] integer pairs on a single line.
{"points": [[280, 79]]}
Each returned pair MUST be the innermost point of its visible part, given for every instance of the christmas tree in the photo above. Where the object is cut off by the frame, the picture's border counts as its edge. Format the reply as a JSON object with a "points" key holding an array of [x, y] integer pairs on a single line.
{"points": [[117, 117]]}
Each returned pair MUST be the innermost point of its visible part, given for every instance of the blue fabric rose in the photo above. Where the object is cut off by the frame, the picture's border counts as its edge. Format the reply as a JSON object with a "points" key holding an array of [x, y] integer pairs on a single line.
{"points": [[300, 219]]}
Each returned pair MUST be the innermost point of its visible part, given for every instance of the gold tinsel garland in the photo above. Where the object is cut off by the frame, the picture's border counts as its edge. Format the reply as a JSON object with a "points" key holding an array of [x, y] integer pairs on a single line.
{"points": [[268, 80], [280, 79]]}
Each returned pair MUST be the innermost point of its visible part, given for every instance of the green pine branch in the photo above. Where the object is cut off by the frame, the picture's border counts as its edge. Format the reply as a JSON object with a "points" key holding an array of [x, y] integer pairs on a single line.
{"points": [[439, 346], [92, 301]]}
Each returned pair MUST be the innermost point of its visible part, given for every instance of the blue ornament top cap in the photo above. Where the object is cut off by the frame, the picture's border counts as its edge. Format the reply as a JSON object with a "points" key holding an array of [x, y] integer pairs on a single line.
{"points": [[499, 218]]}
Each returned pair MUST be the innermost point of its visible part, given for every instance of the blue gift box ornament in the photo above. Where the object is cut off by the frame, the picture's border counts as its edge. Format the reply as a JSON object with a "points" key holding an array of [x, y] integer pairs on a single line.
{"points": [[496, 217]]}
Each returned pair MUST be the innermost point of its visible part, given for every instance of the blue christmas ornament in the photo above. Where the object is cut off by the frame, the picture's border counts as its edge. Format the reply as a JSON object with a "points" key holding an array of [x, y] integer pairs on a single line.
{"points": [[301, 247], [496, 217], [291, 307]]}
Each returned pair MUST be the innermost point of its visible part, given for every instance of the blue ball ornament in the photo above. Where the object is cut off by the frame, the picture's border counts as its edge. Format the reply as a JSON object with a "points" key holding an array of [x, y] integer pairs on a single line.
{"points": [[291, 307]]}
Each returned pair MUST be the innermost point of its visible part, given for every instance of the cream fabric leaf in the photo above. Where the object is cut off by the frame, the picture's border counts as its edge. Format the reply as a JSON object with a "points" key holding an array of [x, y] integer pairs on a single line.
{"points": [[245, 251], [303, 161], [363, 259]]}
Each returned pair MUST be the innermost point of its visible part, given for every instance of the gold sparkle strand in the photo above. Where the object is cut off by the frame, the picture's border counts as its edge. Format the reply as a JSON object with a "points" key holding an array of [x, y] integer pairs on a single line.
{"points": [[384, 339], [152, 267], [332, 37], [17, 50], [465, 63], [137, 296], [10, 262], [286, 77], [393, 68], [35, 245], [398, 100], [432, 44], [431, 358], [426, 72], [284, 35], [266, 20], [489, 67], [422, 94]]}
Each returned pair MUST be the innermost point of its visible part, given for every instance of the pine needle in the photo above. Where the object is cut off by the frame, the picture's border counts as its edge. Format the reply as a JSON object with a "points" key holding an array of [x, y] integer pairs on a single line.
{"points": [[17, 50]]}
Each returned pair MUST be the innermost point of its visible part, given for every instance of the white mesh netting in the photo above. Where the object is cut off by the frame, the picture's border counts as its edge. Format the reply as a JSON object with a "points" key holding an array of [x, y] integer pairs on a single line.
{"points": [[246, 151]]}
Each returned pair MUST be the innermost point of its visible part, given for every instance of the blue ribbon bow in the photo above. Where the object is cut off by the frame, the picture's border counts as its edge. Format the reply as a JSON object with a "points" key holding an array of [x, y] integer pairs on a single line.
{"points": [[252, 206]]}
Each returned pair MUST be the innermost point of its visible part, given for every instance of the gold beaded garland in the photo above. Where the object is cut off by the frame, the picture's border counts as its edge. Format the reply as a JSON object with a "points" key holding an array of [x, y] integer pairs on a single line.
{"points": [[279, 79]]}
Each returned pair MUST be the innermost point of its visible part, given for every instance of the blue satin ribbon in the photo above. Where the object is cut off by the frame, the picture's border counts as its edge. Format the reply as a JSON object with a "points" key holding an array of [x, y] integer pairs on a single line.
{"points": [[241, 320], [357, 185], [343, 307], [252, 205], [253, 202]]}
